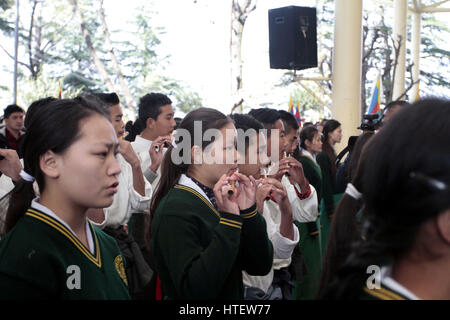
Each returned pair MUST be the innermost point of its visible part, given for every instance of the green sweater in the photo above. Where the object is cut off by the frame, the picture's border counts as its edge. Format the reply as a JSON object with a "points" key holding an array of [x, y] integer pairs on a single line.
{"points": [[200, 253], [313, 173], [328, 182], [41, 259]]}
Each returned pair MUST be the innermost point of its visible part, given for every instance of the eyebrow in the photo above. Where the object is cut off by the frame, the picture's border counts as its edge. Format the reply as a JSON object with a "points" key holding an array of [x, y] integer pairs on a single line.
{"points": [[108, 145]]}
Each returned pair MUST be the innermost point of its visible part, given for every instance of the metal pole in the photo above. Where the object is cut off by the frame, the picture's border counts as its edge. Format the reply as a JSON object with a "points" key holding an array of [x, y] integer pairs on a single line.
{"points": [[16, 49]]}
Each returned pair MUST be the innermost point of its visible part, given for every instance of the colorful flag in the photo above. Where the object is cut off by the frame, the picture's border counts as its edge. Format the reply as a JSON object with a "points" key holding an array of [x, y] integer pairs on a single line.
{"points": [[291, 106], [376, 97], [297, 114]]}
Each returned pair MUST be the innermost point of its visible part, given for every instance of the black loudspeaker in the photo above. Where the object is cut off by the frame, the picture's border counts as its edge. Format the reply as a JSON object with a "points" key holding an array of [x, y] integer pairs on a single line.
{"points": [[293, 38]]}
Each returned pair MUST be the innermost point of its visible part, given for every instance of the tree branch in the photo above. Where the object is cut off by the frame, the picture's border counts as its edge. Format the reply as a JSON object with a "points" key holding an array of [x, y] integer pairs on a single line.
{"points": [[12, 57]]}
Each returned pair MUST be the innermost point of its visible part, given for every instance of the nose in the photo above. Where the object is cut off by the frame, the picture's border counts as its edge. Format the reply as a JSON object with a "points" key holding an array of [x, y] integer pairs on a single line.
{"points": [[114, 167]]}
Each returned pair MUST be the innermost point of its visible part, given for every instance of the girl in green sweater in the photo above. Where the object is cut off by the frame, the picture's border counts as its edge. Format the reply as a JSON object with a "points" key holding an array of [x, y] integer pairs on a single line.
{"points": [[205, 229], [50, 250]]}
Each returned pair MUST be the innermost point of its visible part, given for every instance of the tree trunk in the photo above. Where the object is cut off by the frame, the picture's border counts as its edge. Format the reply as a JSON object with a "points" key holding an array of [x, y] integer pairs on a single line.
{"points": [[90, 46], [126, 92], [239, 14]]}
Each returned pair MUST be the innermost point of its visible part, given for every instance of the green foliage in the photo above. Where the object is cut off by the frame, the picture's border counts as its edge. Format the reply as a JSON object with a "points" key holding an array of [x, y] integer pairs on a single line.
{"points": [[44, 86], [5, 25], [66, 61]]}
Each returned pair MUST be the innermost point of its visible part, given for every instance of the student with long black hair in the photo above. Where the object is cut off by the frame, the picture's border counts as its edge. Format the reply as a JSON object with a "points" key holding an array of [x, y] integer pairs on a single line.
{"points": [[50, 250], [404, 251], [202, 237], [310, 146], [332, 134], [346, 225]]}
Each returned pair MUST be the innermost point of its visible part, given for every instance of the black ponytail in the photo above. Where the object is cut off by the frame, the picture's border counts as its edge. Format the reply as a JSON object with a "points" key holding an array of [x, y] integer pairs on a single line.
{"points": [[19, 200]]}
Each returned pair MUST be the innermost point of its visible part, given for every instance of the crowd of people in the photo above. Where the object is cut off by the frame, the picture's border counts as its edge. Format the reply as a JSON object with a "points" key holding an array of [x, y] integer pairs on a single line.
{"points": [[222, 207]]}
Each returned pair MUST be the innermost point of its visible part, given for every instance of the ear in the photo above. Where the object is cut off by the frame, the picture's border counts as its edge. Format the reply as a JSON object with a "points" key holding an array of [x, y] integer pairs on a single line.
{"points": [[308, 143], [48, 163], [196, 155], [150, 123], [443, 225]]}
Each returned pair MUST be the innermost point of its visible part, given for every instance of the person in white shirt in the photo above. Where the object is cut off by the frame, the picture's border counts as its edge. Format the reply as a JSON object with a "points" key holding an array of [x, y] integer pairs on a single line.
{"points": [[156, 112], [277, 212], [301, 195], [134, 192]]}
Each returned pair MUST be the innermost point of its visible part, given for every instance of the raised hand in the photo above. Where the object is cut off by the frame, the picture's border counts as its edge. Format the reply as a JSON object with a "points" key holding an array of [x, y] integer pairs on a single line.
{"points": [[127, 152], [156, 151], [247, 190], [262, 193], [225, 201], [10, 164]]}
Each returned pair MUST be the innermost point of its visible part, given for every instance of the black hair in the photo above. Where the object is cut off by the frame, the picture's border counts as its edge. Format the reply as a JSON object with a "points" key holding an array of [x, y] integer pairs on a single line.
{"points": [[243, 124], [177, 122], [356, 151], [171, 172], [11, 109], [110, 99], [150, 106], [55, 127], [307, 133], [396, 202], [266, 116], [289, 120], [345, 229], [35, 107], [329, 126]]}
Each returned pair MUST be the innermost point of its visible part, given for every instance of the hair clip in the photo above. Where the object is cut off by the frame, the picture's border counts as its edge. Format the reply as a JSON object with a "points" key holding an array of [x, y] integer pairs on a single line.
{"points": [[429, 181]]}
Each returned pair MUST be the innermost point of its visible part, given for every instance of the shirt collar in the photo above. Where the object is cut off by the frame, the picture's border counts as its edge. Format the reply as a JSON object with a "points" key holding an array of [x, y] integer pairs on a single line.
{"points": [[36, 205], [309, 155], [189, 182], [388, 281]]}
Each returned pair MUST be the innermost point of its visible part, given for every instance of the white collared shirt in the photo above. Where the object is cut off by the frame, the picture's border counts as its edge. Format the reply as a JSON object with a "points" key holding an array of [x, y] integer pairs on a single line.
{"points": [[142, 146], [306, 210], [309, 155], [282, 246], [36, 205]]}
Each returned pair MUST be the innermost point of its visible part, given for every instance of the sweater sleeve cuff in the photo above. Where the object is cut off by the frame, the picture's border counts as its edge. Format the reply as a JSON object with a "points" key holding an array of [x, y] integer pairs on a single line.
{"points": [[249, 213], [231, 220]]}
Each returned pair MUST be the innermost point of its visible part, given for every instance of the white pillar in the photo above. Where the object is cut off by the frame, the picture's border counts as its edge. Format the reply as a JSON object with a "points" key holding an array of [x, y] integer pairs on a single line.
{"points": [[416, 28], [400, 18], [347, 54]]}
